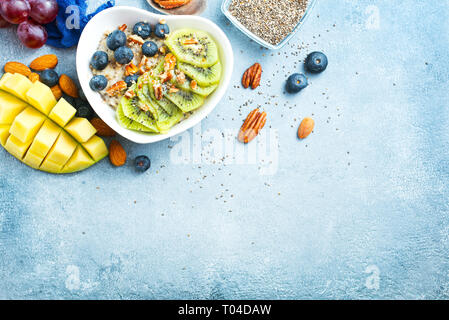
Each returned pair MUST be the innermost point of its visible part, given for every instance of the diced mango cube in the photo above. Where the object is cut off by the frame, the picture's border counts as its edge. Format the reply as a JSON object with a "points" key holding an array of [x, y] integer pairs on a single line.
{"points": [[62, 113], [45, 138], [34, 161], [41, 97], [81, 129], [10, 107], [96, 148], [27, 124], [16, 147], [62, 150], [3, 80], [80, 160], [18, 85], [50, 166], [4, 133]]}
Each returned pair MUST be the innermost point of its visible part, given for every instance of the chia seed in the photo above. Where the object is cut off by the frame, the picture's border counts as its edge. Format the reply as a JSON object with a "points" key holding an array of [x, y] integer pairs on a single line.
{"points": [[271, 20]]}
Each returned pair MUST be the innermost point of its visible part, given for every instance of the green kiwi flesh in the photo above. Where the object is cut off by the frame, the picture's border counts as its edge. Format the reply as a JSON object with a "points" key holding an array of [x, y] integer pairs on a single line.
{"points": [[203, 76], [203, 54]]}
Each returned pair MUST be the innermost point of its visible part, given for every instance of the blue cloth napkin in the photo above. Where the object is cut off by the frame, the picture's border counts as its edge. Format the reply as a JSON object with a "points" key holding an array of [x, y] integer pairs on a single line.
{"points": [[61, 33]]}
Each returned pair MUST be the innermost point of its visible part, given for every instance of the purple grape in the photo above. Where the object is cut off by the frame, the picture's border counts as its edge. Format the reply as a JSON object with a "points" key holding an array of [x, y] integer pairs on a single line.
{"points": [[15, 11], [43, 11], [31, 34], [3, 23]]}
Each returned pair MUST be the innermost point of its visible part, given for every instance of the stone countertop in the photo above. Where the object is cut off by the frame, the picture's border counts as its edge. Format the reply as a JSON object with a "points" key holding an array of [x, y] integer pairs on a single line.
{"points": [[357, 210]]}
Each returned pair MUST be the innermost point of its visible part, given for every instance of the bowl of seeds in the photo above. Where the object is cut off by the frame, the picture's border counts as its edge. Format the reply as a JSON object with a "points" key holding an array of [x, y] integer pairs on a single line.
{"points": [[271, 23]]}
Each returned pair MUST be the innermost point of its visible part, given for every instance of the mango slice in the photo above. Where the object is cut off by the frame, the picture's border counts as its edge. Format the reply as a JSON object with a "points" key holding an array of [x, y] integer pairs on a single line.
{"points": [[10, 107], [62, 113], [3, 80], [33, 160], [50, 166], [27, 124], [80, 160], [62, 150], [41, 97], [81, 129], [18, 85], [96, 148], [16, 147], [45, 138]]}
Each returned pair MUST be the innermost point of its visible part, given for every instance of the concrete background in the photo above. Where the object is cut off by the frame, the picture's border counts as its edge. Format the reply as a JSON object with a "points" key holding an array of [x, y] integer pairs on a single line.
{"points": [[358, 210]]}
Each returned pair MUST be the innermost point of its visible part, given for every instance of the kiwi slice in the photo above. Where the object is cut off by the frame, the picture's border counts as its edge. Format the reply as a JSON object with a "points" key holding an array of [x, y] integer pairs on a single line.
{"points": [[193, 46], [202, 91], [144, 96], [132, 111], [203, 76], [166, 121], [158, 68], [128, 123], [168, 106], [185, 100]]}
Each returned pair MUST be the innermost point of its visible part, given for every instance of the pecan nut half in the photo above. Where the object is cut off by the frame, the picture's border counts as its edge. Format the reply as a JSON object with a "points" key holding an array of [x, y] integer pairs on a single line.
{"points": [[252, 76], [254, 122]]}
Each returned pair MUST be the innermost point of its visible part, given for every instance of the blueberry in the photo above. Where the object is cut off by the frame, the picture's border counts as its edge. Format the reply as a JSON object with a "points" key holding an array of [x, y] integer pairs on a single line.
{"points": [[85, 111], [116, 40], [142, 29], [130, 80], [149, 48], [296, 82], [49, 77], [98, 83], [78, 103], [143, 163], [161, 30], [99, 60], [316, 62], [123, 55]]}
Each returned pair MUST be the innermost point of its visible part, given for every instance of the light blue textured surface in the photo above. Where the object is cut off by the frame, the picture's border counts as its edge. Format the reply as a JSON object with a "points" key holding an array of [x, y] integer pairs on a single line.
{"points": [[364, 198]]}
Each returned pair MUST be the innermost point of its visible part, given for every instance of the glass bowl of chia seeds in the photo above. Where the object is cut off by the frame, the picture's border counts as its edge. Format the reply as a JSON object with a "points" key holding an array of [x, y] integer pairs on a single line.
{"points": [[271, 23]]}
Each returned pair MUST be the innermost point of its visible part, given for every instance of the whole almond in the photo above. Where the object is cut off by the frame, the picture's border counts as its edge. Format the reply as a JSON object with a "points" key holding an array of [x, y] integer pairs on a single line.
{"points": [[103, 130], [57, 92], [17, 67], [68, 86], [117, 155], [34, 77], [48, 61], [305, 128]]}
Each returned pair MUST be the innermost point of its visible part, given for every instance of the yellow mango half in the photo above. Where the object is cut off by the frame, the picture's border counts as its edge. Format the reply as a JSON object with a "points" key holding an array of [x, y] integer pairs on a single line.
{"points": [[27, 124], [10, 107], [35, 133], [41, 97]]}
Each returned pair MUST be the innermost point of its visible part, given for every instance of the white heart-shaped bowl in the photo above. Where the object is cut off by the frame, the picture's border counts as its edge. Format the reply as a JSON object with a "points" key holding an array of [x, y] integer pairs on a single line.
{"points": [[110, 19]]}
